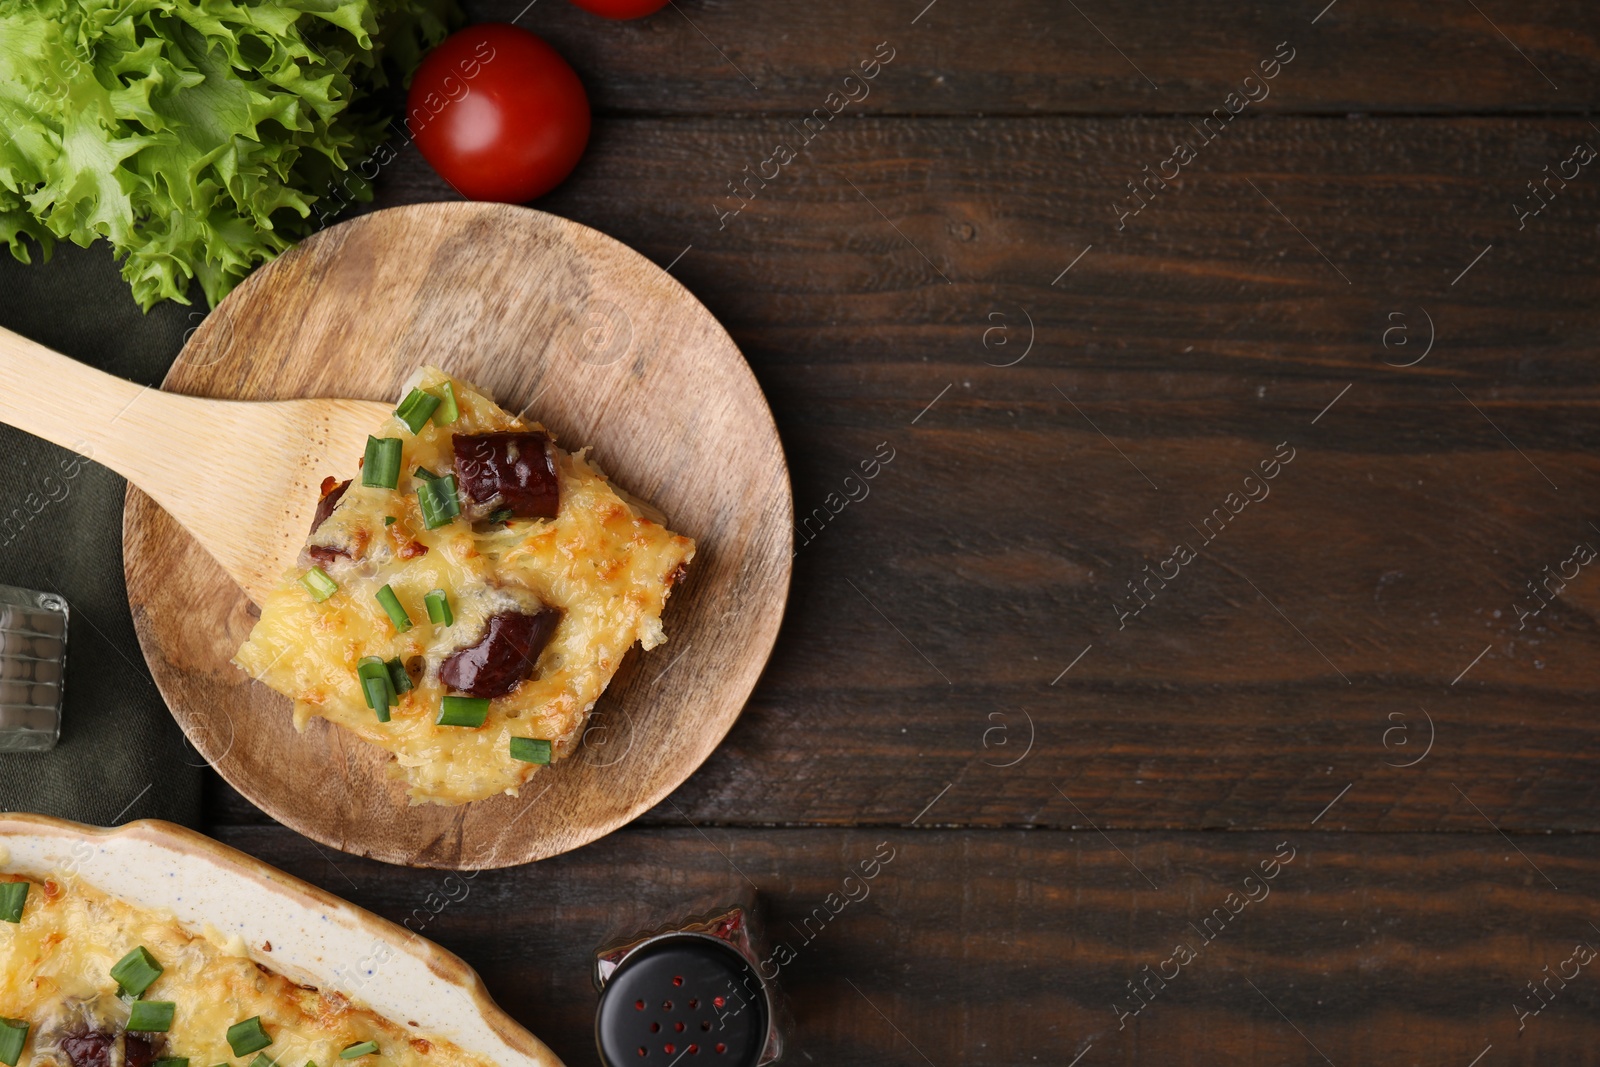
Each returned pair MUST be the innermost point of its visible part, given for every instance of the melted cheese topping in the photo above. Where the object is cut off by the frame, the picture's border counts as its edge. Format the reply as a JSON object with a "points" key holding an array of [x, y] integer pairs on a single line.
{"points": [[606, 563], [55, 975]]}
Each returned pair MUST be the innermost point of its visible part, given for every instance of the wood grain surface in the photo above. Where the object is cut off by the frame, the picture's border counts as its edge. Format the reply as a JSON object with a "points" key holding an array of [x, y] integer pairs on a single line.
{"points": [[599, 346], [1008, 947], [1043, 56], [999, 539], [928, 688]]}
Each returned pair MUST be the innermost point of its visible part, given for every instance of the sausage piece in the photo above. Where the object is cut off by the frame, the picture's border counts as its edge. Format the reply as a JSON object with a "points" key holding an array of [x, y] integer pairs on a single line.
{"points": [[332, 493], [503, 656], [512, 471], [89, 1049], [139, 1050]]}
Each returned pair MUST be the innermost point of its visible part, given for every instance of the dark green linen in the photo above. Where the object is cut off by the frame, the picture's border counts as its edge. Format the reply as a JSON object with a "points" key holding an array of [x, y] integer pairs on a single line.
{"points": [[121, 755]]}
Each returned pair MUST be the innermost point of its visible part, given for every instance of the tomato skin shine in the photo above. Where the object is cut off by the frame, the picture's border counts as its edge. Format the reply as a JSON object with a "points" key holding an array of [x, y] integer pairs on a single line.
{"points": [[498, 113]]}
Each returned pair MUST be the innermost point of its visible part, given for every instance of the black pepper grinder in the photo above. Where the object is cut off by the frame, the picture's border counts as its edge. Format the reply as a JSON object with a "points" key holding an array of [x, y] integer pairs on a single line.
{"points": [[689, 992]]}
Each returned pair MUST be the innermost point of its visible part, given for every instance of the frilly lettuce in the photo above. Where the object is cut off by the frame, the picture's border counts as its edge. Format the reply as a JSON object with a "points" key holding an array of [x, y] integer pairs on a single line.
{"points": [[197, 136]]}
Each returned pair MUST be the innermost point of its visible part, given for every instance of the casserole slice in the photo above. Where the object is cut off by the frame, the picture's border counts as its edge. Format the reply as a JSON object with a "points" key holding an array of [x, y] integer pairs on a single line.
{"points": [[466, 596]]}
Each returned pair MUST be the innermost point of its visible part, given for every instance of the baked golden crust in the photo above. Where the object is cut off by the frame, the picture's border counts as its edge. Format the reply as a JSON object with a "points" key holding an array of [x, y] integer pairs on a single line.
{"points": [[55, 975], [602, 561]]}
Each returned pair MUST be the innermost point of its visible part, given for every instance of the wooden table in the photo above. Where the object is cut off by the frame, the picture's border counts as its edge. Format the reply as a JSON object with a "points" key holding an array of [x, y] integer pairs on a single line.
{"points": [[1071, 657]]}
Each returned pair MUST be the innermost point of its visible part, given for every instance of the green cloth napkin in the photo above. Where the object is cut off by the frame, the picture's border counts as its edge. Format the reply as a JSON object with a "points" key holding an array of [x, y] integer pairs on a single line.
{"points": [[121, 754]]}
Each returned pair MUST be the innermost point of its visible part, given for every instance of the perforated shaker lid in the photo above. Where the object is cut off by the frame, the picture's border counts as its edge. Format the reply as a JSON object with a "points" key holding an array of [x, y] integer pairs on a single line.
{"points": [[685, 999]]}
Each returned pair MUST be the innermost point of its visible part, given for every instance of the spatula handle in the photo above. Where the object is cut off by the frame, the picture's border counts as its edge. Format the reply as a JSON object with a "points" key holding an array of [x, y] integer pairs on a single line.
{"points": [[240, 476], [126, 426]]}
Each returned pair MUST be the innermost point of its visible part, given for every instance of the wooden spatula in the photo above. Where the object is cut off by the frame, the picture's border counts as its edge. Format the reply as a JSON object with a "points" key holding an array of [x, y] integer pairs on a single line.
{"points": [[242, 477]]}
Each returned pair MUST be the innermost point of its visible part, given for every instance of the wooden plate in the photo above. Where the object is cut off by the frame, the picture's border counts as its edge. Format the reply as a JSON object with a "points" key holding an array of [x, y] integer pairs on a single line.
{"points": [[597, 343], [315, 938]]}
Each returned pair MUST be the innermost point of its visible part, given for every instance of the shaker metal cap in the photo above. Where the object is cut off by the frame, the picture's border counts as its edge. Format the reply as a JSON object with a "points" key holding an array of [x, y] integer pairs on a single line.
{"points": [[683, 998]]}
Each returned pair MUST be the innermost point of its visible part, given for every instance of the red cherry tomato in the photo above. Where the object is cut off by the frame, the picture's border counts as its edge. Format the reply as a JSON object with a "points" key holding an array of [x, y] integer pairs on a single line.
{"points": [[498, 113], [621, 9]]}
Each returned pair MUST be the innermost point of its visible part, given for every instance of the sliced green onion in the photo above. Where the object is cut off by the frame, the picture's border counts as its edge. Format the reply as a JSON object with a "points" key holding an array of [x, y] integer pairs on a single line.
{"points": [[263, 1060], [416, 409], [377, 692], [371, 667], [438, 501], [13, 1034], [363, 1048], [399, 677], [12, 896], [380, 469], [463, 711], [503, 515], [388, 520], [530, 749], [318, 584], [248, 1036], [151, 1016], [392, 608], [171, 1061], [135, 971], [424, 473], [448, 412], [376, 685], [439, 611]]}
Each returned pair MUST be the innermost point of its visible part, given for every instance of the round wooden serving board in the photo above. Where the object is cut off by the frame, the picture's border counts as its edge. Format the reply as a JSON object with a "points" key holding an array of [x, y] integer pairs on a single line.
{"points": [[605, 349]]}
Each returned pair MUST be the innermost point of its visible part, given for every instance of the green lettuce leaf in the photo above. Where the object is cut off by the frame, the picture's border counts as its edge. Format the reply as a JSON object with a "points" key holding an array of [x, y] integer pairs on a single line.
{"points": [[199, 137]]}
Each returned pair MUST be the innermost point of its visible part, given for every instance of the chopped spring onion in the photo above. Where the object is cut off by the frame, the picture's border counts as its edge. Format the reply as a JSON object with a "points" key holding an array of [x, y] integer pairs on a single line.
{"points": [[438, 501], [136, 971], [363, 1048], [416, 409], [424, 473], [263, 1060], [376, 685], [171, 1061], [388, 520], [439, 611], [151, 1016], [380, 468], [248, 1036], [12, 896], [13, 1033], [399, 677], [463, 711], [318, 584], [448, 411], [392, 608], [503, 515], [530, 749]]}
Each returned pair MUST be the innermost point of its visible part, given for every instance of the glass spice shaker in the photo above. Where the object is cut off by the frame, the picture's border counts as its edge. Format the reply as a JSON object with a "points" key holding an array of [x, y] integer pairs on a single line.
{"points": [[689, 989], [33, 655]]}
